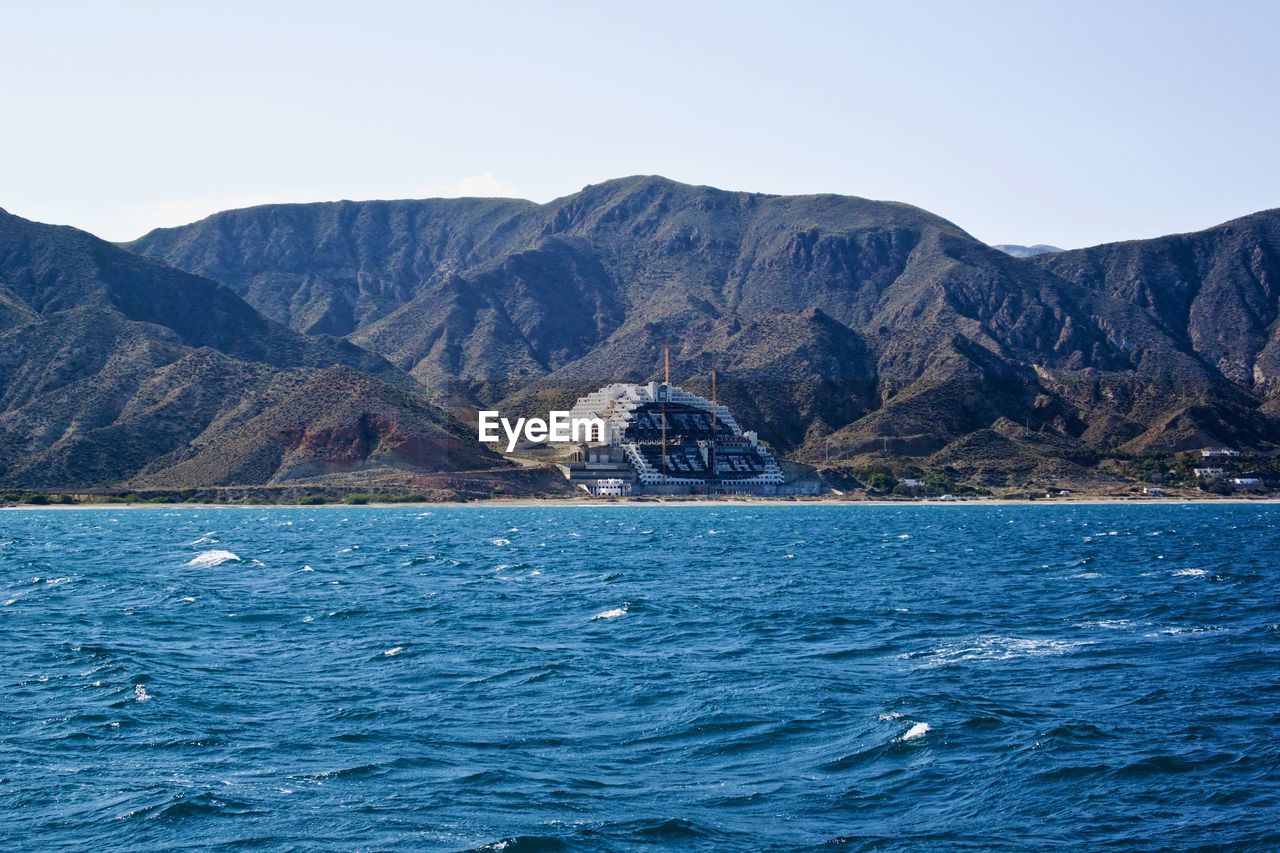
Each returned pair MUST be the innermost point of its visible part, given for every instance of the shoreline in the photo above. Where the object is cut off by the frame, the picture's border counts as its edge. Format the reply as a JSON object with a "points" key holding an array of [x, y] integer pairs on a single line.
{"points": [[526, 503]]}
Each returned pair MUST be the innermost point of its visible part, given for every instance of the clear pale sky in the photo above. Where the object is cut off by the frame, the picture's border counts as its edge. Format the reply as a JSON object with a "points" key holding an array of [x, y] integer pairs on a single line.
{"points": [[1069, 123]]}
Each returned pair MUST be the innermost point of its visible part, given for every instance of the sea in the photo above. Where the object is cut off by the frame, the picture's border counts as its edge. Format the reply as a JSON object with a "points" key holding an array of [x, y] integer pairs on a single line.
{"points": [[688, 677]]}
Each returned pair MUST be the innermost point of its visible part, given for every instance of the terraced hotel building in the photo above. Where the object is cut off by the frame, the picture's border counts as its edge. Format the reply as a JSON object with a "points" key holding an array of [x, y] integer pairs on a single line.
{"points": [[661, 439]]}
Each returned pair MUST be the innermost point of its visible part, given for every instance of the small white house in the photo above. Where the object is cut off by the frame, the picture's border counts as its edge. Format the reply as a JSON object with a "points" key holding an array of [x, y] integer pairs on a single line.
{"points": [[1246, 482], [1214, 452], [611, 487], [1154, 491], [1210, 472], [912, 482]]}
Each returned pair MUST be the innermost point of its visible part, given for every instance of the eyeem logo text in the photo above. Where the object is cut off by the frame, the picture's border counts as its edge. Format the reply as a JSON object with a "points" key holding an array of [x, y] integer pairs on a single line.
{"points": [[558, 427]]}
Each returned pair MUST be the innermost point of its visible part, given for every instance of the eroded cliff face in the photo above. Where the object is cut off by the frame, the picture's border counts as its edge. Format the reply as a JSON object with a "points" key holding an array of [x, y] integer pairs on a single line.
{"points": [[1216, 292]]}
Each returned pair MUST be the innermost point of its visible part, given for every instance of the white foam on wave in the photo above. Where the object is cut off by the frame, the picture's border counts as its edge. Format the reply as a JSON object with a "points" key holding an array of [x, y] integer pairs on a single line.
{"points": [[140, 694], [994, 649], [1178, 631], [499, 542], [393, 651], [1107, 624], [1190, 573], [611, 614], [209, 559], [916, 731]]}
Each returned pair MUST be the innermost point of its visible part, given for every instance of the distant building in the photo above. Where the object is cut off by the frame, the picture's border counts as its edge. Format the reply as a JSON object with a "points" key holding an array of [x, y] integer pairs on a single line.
{"points": [[1218, 452], [661, 439], [611, 487], [1246, 482], [1154, 491], [1210, 473], [911, 482]]}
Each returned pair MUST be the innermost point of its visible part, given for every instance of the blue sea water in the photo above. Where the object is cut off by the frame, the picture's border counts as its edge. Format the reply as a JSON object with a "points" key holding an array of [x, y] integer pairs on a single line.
{"points": [[562, 678]]}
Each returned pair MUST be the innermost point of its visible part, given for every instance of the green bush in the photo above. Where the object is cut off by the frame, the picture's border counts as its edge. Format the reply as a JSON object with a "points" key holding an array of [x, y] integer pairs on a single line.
{"points": [[881, 481], [311, 500]]}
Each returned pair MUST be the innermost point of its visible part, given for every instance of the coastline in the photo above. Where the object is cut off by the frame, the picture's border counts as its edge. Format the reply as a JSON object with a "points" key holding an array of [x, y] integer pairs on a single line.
{"points": [[525, 503]]}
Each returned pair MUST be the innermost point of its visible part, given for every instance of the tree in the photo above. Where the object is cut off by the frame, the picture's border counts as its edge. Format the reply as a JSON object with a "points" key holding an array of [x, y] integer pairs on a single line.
{"points": [[881, 481]]}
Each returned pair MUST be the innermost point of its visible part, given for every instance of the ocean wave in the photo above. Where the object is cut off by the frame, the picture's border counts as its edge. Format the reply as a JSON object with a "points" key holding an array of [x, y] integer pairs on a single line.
{"points": [[1178, 631], [754, 703], [182, 806], [918, 730], [993, 649], [209, 559], [522, 844]]}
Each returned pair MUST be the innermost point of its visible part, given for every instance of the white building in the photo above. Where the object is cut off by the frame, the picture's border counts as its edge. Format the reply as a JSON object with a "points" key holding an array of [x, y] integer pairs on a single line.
{"points": [[612, 487], [1215, 452], [1214, 473], [674, 441]]}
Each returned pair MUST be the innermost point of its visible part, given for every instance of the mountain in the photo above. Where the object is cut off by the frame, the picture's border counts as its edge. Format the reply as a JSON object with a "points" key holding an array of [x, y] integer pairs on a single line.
{"points": [[1215, 292], [112, 365], [1026, 251], [842, 328]]}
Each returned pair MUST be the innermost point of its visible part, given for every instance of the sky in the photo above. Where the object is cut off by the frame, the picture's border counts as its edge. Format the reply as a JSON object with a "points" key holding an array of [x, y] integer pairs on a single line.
{"points": [[1023, 122]]}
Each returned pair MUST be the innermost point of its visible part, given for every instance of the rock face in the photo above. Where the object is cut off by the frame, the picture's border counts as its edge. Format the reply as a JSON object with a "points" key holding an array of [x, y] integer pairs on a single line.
{"points": [[1215, 292], [843, 328], [112, 365]]}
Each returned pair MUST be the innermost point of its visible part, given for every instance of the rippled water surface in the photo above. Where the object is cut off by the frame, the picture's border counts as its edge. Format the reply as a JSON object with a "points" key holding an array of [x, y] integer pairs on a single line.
{"points": [[607, 677]]}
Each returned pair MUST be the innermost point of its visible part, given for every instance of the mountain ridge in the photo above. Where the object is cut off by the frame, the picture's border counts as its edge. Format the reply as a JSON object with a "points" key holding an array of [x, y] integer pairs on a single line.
{"points": [[110, 361], [845, 329]]}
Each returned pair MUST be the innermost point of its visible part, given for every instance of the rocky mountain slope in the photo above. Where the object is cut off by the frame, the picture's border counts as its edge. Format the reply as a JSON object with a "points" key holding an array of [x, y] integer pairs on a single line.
{"points": [[1215, 292], [842, 328], [112, 365]]}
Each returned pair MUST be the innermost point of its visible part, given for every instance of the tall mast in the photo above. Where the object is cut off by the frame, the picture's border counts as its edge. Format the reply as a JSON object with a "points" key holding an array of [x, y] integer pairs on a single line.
{"points": [[712, 470], [666, 392], [714, 405]]}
